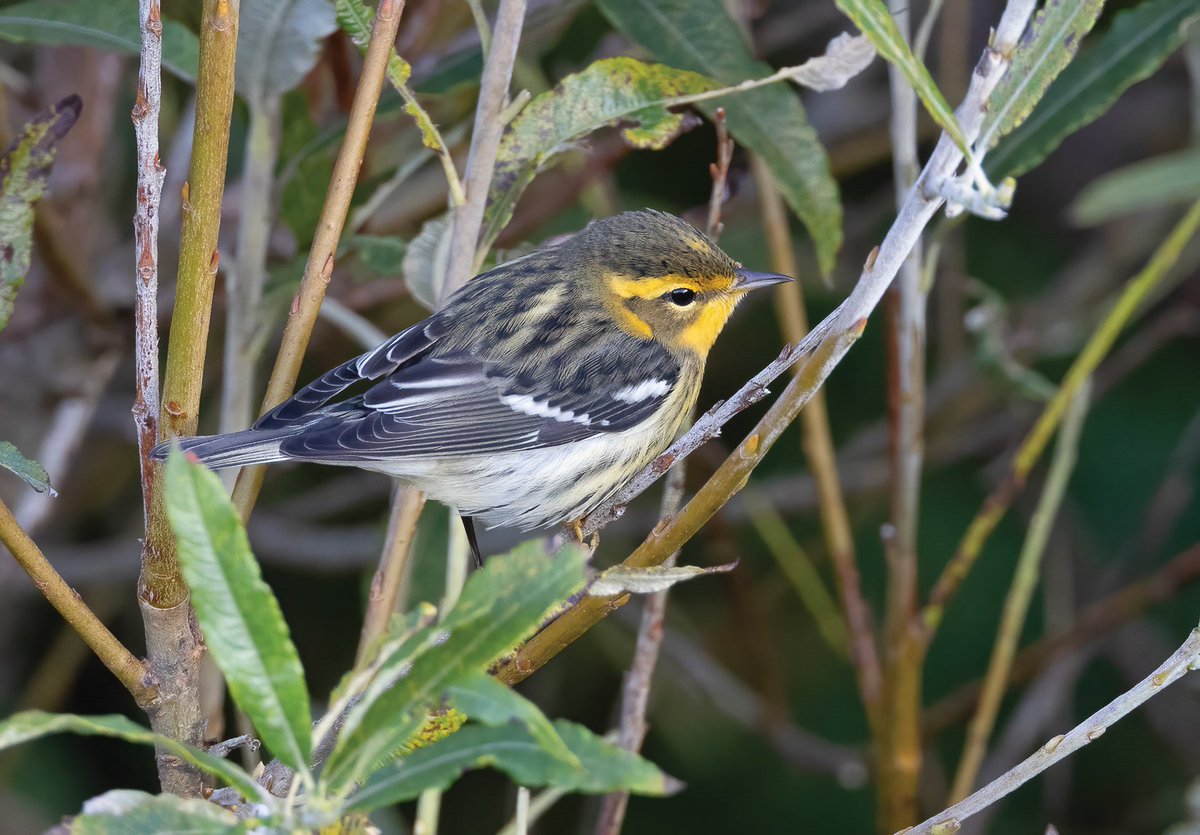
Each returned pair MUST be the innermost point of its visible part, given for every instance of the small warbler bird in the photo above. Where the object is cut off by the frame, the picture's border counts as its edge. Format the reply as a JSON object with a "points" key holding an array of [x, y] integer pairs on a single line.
{"points": [[539, 389]]}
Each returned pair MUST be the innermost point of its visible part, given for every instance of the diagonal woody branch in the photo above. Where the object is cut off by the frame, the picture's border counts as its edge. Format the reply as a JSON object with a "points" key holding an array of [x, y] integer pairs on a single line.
{"points": [[319, 268], [820, 351]]}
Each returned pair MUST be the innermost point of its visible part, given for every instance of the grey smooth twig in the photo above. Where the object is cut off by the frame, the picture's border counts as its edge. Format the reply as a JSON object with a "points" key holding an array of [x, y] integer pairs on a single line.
{"points": [[485, 143], [1183, 660]]}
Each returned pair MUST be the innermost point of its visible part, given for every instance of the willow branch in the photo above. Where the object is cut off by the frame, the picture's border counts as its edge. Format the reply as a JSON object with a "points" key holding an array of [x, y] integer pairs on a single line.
{"points": [[150, 176], [635, 695], [841, 326], [1182, 661], [174, 648], [1098, 345], [821, 351], [820, 454], [1016, 604], [162, 582], [485, 143], [131, 672], [319, 268], [1093, 623], [900, 750]]}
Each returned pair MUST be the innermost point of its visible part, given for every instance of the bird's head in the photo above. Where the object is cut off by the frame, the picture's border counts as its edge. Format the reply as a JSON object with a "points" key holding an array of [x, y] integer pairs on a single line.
{"points": [[663, 279]]}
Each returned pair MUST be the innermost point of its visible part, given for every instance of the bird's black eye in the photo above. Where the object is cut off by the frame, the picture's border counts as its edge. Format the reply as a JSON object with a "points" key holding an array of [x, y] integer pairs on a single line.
{"points": [[682, 296]]}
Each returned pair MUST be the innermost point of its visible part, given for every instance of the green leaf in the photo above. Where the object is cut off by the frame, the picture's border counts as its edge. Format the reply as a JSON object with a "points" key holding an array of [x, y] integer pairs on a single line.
{"points": [[699, 35], [238, 614], [103, 25], [279, 42], [382, 254], [606, 92], [26, 469], [35, 724], [501, 605], [621, 579], [874, 20], [486, 700], [1133, 48], [308, 167], [513, 750], [1046, 47], [128, 812], [356, 21], [24, 169], [1161, 181]]}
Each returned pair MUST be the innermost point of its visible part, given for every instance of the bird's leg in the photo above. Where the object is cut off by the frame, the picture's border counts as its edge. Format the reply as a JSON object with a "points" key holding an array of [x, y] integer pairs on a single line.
{"points": [[469, 527], [575, 526]]}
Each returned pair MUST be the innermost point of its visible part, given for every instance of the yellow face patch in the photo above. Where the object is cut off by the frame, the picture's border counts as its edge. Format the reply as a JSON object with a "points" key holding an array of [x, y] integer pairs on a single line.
{"points": [[700, 335], [625, 287], [630, 322]]}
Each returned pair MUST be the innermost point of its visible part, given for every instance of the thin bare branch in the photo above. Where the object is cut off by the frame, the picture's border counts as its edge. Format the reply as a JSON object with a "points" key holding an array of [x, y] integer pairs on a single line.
{"points": [[1093, 623], [635, 696], [393, 564], [1016, 604], [464, 260], [900, 749], [150, 176], [1098, 345], [826, 344], [174, 648], [131, 672], [1183, 660], [319, 268]]}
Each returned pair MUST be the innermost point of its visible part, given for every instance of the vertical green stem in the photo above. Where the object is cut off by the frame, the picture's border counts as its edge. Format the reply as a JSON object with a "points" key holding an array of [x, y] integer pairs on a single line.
{"points": [[1016, 604], [173, 646]]}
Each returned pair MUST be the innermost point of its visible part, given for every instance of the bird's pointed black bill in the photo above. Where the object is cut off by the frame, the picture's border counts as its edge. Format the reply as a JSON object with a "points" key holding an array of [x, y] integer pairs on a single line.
{"points": [[750, 280]]}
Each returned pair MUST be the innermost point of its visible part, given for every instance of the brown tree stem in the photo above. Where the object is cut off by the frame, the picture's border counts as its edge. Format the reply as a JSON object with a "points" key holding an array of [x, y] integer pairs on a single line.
{"points": [[819, 452], [319, 268], [131, 672], [174, 648]]}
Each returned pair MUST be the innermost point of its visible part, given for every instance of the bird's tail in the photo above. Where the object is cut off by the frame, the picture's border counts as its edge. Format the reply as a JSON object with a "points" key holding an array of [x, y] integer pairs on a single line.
{"points": [[234, 449]]}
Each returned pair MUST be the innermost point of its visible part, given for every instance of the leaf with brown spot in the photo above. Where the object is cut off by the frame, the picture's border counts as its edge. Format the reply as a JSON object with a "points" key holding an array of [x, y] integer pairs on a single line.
{"points": [[24, 170]]}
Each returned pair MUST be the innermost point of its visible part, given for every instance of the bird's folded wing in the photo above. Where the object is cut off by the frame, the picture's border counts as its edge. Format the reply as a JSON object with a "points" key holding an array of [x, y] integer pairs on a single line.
{"points": [[458, 405], [406, 346]]}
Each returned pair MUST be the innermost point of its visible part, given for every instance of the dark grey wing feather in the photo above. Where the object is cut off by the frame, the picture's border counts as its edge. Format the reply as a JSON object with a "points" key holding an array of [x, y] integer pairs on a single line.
{"points": [[404, 347], [459, 405]]}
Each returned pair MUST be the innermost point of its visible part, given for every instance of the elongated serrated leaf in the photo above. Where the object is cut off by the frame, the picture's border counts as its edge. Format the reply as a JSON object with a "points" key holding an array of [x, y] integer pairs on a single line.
{"points": [[128, 812], [28, 470], [1046, 47], [1161, 181], [514, 751], [1133, 48], [35, 724], [110, 26], [278, 43], [485, 700], [238, 614], [624, 580], [609, 91], [875, 21], [699, 35], [501, 605], [24, 169]]}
